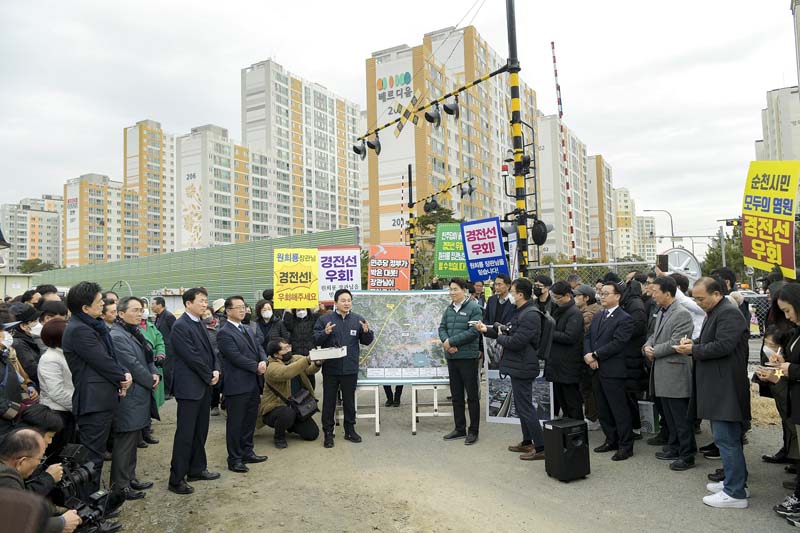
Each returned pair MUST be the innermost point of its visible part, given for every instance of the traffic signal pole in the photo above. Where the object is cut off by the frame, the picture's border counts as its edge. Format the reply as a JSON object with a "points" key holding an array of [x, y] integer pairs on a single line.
{"points": [[516, 135]]}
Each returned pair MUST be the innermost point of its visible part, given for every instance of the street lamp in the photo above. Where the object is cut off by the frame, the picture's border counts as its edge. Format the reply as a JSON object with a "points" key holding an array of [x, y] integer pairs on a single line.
{"points": [[671, 225]]}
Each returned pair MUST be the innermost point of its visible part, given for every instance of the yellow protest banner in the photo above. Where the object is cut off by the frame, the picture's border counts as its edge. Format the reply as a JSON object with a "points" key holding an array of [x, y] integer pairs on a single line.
{"points": [[768, 208], [295, 278]]}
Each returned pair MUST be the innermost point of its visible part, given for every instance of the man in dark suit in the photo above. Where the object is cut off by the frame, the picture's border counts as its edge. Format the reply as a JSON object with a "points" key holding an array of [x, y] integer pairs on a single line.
{"points": [[164, 322], [721, 388], [98, 377], [244, 364], [605, 347], [196, 371]]}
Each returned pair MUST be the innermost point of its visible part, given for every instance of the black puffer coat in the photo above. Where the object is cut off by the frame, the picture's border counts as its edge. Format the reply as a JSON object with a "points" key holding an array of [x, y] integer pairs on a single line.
{"points": [[520, 359], [631, 303], [301, 332], [566, 354]]}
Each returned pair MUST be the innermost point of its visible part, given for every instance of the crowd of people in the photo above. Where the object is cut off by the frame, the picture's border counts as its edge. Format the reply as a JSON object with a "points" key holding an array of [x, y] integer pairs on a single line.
{"points": [[93, 369]]}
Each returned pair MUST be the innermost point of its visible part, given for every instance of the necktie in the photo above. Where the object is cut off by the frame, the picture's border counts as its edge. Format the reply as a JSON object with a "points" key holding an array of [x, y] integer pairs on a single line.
{"points": [[243, 329]]}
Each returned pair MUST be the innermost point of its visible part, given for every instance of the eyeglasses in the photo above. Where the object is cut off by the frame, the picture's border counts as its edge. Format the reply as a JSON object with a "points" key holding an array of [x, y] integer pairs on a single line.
{"points": [[238, 307], [604, 294]]}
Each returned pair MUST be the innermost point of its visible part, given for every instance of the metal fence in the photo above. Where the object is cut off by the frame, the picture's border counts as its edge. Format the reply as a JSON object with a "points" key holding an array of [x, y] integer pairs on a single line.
{"points": [[588, 272], [759, 309]]}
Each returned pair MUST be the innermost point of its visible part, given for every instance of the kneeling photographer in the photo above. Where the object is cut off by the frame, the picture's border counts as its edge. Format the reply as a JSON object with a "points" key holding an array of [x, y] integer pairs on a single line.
{"points": [[21, 453]]}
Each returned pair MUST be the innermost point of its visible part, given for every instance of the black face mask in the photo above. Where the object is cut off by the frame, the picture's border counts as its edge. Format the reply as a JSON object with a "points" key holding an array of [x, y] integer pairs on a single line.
{"points": [[537, 291], [287, 357]]}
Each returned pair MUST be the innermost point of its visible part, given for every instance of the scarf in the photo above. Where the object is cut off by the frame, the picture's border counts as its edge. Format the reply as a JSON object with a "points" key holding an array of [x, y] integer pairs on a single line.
{"points": [[100, 327], [136, 332]]}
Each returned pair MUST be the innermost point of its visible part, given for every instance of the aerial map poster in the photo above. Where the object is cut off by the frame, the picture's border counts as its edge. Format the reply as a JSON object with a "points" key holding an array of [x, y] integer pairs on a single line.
{"points": [[406, 326]]}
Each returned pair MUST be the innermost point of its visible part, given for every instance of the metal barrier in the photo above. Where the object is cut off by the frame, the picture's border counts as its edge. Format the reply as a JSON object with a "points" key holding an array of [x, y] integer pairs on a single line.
{"points": [[588, 272], [759, 309]]}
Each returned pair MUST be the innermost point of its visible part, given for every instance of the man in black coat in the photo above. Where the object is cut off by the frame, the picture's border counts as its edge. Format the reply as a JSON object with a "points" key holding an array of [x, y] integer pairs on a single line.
{"points": [[636, 381], [565, 365], [605, 346], [98, 377], [243, 365], [722, 389], [196, 372], [520, 342], [499, 308], [164, 322]]}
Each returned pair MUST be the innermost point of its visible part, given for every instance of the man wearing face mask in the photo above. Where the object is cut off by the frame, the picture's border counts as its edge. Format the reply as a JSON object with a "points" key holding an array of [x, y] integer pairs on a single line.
{"points": [[300, 325], [10, 392], [27, 350], [541, 294]]}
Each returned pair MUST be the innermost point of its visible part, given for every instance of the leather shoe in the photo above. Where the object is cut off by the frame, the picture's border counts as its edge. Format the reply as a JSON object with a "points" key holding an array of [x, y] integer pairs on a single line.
{"points": [[533, 456], [637, 436], [131, 494], [681, 464], [472, 438], [666, 456], [328, 440], [396, 402], [181, 488], [141, 485], [281, 444], [205, 475], [605, 447], [149, 439], [239, 468], [708, 447], [353, 437], [621, 455], [389, 403], [142, 444], [777, 459], [455, 434], [717, 476], [521, 448], [658, 440], [254, 459]]}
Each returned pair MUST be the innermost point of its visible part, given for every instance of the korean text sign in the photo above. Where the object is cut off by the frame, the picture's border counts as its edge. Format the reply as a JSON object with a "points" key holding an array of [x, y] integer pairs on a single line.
{"points": [[768, 215], [448, 259], [483, 249], [339, 268], [295, 278], [389, 268]]}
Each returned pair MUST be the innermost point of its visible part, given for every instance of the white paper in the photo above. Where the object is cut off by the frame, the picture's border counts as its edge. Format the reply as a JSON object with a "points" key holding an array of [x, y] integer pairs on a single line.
{"points": [[393, 373], [319, 354], [410, 372], [442, 372], [376, 372], [427, 372]]}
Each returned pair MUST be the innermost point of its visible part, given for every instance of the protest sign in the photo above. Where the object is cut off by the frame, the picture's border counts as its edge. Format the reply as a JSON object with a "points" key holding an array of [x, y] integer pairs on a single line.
{"points": [[389, 267], [295, 278], [339, 268], [483, 249], [448, 257]]}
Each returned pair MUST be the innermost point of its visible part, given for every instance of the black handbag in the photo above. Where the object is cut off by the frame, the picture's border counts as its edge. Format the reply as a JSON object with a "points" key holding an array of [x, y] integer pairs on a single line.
{"points": [[301, 402]]}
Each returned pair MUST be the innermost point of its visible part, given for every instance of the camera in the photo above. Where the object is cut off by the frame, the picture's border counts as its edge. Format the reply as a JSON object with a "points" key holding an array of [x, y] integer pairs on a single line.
{"points": [[91, 512], [77, 473]]}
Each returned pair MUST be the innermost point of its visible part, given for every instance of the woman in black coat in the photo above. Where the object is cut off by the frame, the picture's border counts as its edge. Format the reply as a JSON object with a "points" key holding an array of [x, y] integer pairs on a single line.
{"points": [[267, 324], [564, 367], [300, 325]]}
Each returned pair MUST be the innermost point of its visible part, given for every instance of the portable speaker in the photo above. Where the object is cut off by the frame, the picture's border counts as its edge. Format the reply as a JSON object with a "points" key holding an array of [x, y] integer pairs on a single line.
{"points": [[566, 449]]}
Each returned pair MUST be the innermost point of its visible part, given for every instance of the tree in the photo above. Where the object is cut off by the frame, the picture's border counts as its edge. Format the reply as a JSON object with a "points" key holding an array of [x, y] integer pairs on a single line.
{"points": [[29, 266], [426, 224], [733, 255]]}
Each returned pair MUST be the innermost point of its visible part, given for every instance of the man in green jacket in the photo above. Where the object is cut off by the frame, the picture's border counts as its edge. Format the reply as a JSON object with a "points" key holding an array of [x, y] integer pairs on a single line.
{"points": [[461, 343]]}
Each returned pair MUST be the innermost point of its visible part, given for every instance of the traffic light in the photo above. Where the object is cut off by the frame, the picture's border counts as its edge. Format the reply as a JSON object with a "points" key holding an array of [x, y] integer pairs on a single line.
{"points": [[733, 222]]}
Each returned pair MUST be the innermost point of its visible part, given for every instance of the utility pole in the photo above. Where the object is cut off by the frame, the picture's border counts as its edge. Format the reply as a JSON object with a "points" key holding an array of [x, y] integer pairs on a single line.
{"points": [[411, 228], [722, 244], [516, 134]]}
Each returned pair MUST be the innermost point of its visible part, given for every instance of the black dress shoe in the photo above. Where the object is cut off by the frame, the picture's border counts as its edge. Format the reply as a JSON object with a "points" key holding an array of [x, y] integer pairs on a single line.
{"points": [[254, 459], [621, 455], [396, 402], [472, 438], [149, 439], [455, 434], [637, 436], [131, 494], [141, 485], [281, 444], [777, 459], [205, 475], [713, 454], [328, 443], [658, 440], [666, 456], [142, 444], [352, 437], [717, 476], [681, 464], [181, 488], [239, 468], [389, 402], [605, 447], [708, 447]]}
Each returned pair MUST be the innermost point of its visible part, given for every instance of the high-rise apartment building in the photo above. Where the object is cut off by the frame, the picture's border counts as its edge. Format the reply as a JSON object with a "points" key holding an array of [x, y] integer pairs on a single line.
{"points": [[626, 231], [32, 227], [305, 132], [92, 229], [646, 238], [148, 190], [780, 126], [601, 208], [472, 146], [564, 189]]}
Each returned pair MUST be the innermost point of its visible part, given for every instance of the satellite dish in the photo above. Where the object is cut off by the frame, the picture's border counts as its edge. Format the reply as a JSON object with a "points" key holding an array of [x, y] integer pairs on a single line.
{"points": [[684, 262]]}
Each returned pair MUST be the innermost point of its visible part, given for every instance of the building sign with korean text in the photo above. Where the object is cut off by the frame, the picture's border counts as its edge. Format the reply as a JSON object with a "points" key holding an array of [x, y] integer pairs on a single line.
{"points": [[339, 268], [448, 258], [389, 268], [768, 211], [295, 278], [483, 249]]}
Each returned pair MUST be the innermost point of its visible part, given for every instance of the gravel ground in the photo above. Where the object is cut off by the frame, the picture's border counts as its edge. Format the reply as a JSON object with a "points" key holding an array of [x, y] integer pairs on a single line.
{"points": [[402, 483]]}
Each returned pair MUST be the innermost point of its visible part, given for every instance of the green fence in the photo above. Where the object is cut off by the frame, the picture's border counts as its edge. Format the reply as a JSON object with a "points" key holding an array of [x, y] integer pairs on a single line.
{"points": [[244, 269]]}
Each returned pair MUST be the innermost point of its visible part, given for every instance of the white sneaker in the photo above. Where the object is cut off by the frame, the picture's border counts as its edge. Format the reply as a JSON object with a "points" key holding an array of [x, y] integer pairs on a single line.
{"points": [[717, 487], [592, 426], [723, 501]]}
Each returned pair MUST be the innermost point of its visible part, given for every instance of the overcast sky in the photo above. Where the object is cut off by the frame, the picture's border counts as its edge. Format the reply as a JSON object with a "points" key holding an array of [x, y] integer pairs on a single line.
{"points": [[669, 93]]}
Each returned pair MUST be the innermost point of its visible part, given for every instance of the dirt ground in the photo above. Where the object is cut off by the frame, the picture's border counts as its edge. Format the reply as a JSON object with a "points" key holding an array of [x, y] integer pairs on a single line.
{"points": [[397, 482]]}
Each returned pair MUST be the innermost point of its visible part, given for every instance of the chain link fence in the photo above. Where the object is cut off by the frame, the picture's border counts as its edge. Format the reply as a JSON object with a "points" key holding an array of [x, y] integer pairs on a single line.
{"points": [[759, 309], [589, 273]]}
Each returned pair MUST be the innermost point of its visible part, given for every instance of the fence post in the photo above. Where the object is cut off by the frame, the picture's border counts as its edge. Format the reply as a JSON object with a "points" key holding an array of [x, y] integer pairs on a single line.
{"points": [[552, 272]]}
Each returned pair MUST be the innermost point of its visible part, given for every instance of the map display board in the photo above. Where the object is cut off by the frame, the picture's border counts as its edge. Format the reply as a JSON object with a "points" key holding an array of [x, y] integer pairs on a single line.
{"points": [[406, 326]]}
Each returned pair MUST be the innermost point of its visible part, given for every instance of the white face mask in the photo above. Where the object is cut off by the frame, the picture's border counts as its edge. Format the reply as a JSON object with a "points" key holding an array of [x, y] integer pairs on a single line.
{"points": [[36, 330], [302, 313], [145, 314], [7, 340], [266, 315]]}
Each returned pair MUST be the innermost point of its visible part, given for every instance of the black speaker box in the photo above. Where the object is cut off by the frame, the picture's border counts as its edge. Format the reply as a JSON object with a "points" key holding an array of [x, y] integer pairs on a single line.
{"points": [[566, 449]]}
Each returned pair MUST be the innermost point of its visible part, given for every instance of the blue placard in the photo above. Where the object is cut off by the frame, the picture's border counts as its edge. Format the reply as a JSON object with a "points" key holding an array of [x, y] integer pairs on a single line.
{"points": [[483, 249]]}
